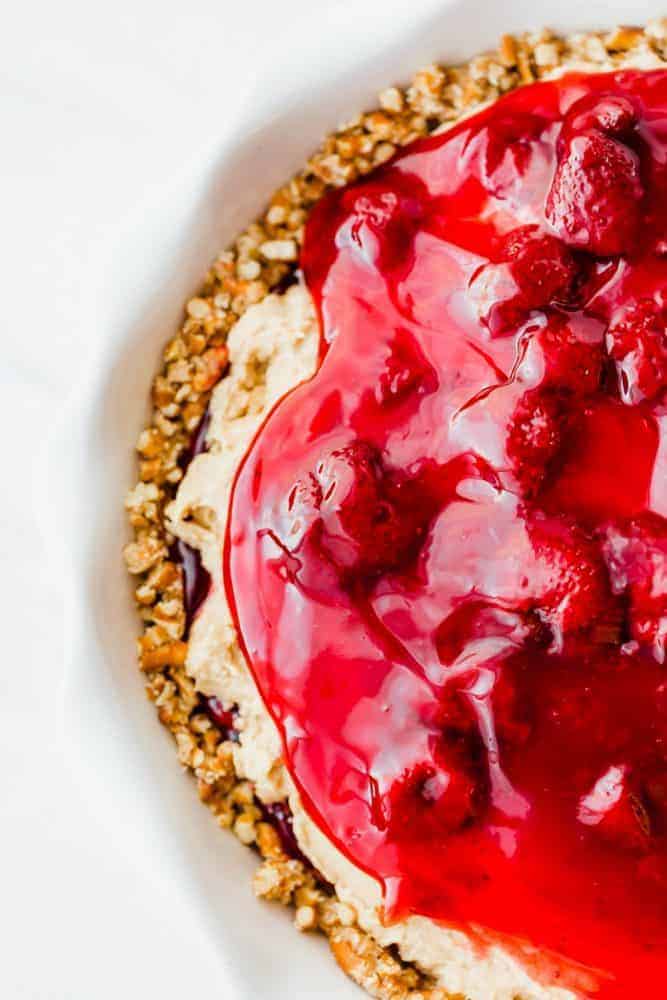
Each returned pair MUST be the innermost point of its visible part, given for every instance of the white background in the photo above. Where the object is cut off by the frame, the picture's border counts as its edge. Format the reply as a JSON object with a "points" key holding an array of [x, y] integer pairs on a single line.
{"points": [[97, 101]]}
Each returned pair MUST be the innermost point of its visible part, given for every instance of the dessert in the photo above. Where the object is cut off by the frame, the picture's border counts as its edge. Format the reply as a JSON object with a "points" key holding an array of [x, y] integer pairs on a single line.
{"points": [[423, 543]]}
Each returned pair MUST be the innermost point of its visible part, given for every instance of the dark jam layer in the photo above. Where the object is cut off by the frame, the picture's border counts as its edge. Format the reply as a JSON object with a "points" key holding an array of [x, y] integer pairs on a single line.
{"points": [[196, 578], [447, 552]]}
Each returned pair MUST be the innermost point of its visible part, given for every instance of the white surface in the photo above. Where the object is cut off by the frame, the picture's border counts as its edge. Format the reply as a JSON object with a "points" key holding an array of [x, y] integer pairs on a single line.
{"points": [[103, 110]]}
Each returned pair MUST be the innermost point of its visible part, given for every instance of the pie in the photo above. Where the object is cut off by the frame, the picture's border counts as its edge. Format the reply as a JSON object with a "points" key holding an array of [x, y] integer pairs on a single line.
{"points": [[401, 530]]}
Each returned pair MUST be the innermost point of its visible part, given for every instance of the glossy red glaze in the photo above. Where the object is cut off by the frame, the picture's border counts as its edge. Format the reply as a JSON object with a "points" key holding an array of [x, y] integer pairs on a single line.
{"points": [[447, 552]]}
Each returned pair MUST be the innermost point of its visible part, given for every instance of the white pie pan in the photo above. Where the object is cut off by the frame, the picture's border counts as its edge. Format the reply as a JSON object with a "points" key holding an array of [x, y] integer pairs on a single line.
{"points": [[334, 68]]}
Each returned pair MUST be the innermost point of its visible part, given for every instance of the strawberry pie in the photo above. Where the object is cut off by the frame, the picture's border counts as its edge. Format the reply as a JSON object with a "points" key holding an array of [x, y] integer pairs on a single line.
{"points": [[423, 530]]}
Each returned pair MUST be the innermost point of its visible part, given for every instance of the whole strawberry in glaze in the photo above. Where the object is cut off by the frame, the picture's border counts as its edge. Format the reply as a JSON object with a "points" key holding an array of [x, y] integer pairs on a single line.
{"points": [[594, 200], [362, 529], [613, 114], [542, 266], [535, 270]]}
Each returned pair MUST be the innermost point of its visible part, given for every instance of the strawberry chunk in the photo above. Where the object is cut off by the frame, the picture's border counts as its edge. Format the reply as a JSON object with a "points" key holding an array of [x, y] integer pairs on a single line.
{"points": [[543, 417], [542, 266], [534, 437], [571, 585], [637, 342], [535, 270], [612, 114], [362, 528], [594, 198], [570, 362], [440, 795]]}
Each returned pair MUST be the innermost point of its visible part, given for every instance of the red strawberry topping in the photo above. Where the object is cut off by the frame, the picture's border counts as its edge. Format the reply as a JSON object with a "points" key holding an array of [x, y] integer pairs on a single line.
{"points": [[447, 551], [637, 341], [594, 200]]}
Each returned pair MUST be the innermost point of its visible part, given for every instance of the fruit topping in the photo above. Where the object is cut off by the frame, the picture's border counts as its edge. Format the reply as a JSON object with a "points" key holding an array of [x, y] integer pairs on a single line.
{"points": [[595, 197], [573, 590], [534, 437], [542, 266], [637, 342], [447, 551]]}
